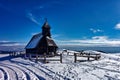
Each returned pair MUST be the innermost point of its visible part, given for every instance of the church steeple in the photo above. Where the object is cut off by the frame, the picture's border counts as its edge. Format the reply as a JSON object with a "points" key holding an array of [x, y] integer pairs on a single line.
{"points": [[46, 29]]}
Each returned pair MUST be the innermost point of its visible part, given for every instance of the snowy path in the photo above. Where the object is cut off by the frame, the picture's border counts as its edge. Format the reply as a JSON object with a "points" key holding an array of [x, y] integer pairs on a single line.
{"points": [[4, 74], [39, 69], [19, 73], [10, 74], [22, 72]]}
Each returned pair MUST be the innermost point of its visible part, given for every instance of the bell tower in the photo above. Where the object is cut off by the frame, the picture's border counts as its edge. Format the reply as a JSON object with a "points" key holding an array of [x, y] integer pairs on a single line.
{"points": [[46, 29]]}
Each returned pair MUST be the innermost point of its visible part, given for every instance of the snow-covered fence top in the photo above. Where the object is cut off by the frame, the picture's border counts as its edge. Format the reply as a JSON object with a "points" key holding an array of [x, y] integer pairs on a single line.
{"points": [[91, 52]]}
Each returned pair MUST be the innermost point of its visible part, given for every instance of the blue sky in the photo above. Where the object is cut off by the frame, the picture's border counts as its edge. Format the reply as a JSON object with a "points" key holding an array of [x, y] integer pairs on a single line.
{"points": [[73, 22]]}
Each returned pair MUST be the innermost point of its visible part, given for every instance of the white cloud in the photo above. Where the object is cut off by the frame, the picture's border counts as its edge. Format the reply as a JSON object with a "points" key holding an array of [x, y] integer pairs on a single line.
{"points": [[32, 18], [34, 33], [49, 4], [10, 43], [117, 26], [100, 38], [94, 41], [54, 36], [3, 41], [15, 44], [36, 19], [95, 30]]}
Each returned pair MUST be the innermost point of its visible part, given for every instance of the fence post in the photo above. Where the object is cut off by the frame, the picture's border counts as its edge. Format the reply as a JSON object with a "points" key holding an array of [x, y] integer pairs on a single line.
{"points": [[88, 56], [60, 58], [45, 57], [75, 57], [25, 55], [30, 56], [96, 57], [36, 57], [9, 54], [14, 54]]}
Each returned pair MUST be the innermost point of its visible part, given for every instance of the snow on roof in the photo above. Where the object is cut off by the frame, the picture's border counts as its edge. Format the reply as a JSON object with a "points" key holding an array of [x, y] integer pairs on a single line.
{"points": [[49, 38], [70, 51], [50, 41], [34, 41]]}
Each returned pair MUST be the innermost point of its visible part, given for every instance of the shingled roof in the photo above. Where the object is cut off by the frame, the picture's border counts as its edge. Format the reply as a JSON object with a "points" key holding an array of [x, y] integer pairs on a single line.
{"points": [[34, 41]]}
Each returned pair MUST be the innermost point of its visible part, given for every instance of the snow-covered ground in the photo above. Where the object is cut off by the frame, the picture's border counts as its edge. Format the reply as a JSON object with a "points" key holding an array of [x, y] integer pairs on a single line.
{"points": [[107, 68]]}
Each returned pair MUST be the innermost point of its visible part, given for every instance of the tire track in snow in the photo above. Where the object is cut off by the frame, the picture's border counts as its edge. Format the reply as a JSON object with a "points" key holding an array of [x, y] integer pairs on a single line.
{"points": [[27, 73], [20, 73], [40, 70], [30, 75], [1, 75], [47, 71], [9, 73], [12, 73], [5, 74], [28, 69], [34, 72]]}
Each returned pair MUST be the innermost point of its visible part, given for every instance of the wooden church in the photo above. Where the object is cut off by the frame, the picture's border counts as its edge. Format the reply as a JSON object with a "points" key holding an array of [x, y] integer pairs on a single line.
{"points": [[42, 43]]}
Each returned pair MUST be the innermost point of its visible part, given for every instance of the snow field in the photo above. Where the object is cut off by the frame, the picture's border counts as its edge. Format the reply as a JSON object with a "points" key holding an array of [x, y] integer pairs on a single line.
{"points": [[107, 68]]}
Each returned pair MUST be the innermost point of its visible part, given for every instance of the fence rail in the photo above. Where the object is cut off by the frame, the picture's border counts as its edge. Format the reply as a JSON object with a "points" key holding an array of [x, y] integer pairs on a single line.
{"points": [[88, 56], [45, 58]]}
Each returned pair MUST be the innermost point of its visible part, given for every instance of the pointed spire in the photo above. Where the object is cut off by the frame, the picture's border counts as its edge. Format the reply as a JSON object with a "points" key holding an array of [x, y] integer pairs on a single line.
{"points": [[46, 25], [46, 29], [46, 21]]}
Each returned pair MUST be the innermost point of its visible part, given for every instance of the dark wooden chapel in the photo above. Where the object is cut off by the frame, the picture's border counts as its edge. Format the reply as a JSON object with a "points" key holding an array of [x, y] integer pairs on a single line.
{"points": [[42, 43]]}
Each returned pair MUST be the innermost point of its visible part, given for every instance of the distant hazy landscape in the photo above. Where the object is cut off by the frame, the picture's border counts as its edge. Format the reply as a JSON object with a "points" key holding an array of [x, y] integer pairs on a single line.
{"points": [[76, 48], [104, 49]]}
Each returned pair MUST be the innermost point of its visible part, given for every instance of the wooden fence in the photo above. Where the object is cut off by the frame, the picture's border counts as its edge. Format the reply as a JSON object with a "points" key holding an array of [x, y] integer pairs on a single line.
{"points": [[16, 54], [88, 56], [44, 58]]}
